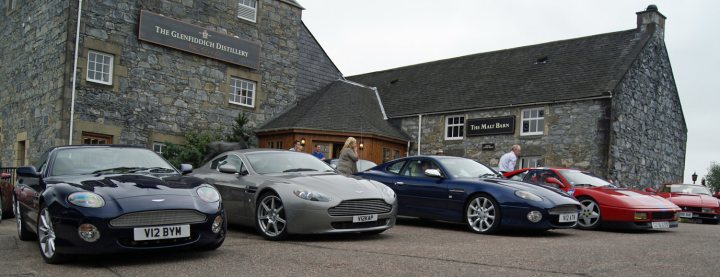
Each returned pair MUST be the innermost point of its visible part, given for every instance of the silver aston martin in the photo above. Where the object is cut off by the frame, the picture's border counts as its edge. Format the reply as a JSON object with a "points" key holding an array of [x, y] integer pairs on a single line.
{"points": [[282, 192]]}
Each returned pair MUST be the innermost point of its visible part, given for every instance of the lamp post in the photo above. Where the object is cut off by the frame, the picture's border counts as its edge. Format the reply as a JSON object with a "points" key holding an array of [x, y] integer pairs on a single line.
{"points": [[694, 177]]}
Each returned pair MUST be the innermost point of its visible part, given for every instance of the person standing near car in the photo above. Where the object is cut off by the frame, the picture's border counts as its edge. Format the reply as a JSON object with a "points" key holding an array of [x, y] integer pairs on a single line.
{"points": [[347, 163], [297, 147], [318, 153], [507, 161]]}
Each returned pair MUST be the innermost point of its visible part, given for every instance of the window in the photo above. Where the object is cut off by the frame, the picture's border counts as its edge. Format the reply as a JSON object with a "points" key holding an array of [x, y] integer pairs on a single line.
{"points": [[395, 168], [533, 122], [99, 67], [275, 144], [20, 154], [247, 9], [454, 127], [158, 147], [526, 162], [243, 92], [93, 138], [390, 154]]}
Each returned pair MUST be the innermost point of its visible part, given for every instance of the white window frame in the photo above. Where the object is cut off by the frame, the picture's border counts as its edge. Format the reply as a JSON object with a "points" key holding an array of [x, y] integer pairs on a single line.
{"points": [[91, 66], [530, 118], [237, 86], [246, 9], [529, 162], [160, 146], [460, 125]]}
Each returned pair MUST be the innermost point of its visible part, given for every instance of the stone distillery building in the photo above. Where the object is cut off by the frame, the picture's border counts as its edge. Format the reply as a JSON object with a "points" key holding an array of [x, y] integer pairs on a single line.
{"points": [[151, 71]]}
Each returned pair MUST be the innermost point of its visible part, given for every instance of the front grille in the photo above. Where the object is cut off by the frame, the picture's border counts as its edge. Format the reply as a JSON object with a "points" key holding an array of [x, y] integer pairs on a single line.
{"points": [[663, 215], [161, 217], [360, 207], [359, 225], [691, 209], [565, 209]]}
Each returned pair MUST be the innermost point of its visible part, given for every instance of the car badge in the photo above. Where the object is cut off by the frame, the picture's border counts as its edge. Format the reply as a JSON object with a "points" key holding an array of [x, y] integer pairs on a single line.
{"points": [[158, 200]]}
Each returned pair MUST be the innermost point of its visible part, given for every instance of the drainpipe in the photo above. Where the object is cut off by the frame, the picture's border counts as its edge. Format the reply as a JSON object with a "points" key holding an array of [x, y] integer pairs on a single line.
{"points": [[419, 133], [72, 97]]}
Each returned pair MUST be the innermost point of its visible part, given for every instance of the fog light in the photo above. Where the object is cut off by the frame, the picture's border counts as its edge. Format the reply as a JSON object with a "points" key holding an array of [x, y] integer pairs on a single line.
{"points": [[641, 216], [217, 224], [89, 232], [708, 210], [534, 216]]}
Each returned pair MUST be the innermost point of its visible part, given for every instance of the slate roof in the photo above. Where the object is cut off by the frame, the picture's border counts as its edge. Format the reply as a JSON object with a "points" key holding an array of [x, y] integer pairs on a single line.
{"points": [[571, 69], [341, 106]]}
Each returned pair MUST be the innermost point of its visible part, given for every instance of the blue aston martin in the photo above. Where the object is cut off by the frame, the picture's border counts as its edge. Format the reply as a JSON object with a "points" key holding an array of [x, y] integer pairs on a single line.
{"points": [[462, 190], [100, 199]]}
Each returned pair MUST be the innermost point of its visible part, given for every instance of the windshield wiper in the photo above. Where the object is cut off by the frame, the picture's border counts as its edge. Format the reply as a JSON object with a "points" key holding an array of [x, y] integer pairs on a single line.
{"points": [[488, 175], [151, 169], [300, 169], [114, 169]]}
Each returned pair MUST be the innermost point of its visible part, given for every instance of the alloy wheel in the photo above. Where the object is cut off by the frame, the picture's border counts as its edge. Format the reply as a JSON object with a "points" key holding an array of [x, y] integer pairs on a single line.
{"points": [[46, 234], [589, 214], [481, 214], [271, 216]]}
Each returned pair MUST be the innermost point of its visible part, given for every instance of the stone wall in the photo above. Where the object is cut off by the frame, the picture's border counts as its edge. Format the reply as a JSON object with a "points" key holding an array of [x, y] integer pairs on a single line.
{"points": [[649, 135], [316, 70], [33, 58], [576, 136]]}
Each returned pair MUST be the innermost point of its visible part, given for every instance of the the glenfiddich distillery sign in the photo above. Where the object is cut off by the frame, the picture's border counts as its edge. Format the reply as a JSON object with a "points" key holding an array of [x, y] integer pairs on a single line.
{"points": [[490, 126], [172, 33]]}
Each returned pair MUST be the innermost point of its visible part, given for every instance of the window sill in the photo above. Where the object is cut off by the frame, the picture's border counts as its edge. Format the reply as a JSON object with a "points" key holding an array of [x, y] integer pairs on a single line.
{"points": [[241, 105]]}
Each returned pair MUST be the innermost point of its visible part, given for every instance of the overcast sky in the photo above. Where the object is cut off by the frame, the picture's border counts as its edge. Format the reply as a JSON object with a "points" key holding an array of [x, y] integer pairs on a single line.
{"points": [[373, 35]]}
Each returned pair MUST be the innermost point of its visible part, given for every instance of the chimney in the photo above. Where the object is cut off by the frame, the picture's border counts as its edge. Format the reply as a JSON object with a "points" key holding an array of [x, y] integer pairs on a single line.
{"points": [[651, 20]]}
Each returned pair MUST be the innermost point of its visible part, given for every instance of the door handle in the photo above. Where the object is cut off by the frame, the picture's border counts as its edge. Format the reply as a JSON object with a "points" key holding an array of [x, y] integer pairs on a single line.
{"points": [[399, 183]]}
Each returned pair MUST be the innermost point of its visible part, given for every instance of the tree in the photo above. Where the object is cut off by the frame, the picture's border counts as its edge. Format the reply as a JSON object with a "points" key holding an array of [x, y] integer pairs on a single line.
{"points": [[712, 179], [240, 132], [193, 151]]}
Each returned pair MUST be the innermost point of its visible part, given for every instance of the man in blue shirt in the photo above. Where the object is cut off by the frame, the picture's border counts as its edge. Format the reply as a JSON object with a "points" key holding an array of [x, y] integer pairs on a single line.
{"points": [[317, 153]]}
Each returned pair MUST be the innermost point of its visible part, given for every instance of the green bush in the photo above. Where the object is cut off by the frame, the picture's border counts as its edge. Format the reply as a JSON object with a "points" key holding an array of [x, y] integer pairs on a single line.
{"points": [[193, 151], [712, 179]]}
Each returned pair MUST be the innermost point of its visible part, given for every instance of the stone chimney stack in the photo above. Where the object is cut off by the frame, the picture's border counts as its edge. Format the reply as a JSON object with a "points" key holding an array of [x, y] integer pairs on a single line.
{"points": [[651, 20]]}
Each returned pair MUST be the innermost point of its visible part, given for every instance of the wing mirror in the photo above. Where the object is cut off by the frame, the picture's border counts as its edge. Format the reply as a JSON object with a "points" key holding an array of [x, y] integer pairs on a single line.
{"points": [[717, 195], [433, 173], [554, 181], [650, 190], [186, 168], [228, 168], [27, 171]]}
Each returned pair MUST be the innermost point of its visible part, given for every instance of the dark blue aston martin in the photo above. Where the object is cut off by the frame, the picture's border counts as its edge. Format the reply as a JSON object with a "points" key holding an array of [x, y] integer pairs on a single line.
{"points": [[462, 190], [102, 199]]}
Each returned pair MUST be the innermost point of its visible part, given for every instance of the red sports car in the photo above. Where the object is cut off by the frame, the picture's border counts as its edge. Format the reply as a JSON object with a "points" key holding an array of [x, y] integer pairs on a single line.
{"points": [[602, 202], [695, 201]]}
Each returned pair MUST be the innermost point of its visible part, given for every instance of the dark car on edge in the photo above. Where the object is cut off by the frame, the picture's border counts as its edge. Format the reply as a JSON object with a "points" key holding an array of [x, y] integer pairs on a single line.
{"points": [[108, 198]]}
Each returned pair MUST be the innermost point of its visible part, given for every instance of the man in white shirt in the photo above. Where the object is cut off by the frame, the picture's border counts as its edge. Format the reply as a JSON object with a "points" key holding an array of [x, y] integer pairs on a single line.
{"points": [[507, 161]]}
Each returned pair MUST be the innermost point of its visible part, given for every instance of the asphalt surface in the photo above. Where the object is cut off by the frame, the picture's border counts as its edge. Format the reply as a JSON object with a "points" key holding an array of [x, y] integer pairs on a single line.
{"points": [[412, 248]]}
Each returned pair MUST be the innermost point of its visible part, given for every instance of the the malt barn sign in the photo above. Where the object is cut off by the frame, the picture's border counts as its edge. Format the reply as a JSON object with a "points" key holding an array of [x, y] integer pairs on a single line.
{"points": [[176, 34], [490, 126]]}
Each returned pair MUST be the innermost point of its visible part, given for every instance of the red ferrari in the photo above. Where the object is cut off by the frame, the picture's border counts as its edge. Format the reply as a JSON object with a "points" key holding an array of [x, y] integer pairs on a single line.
{"points": [[696, 202], [603, 204]]}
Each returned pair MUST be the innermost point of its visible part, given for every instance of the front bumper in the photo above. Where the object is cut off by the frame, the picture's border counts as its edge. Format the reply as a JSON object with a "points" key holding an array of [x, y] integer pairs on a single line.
{"points": [[624, 218], [315, 219], [516, 217]]}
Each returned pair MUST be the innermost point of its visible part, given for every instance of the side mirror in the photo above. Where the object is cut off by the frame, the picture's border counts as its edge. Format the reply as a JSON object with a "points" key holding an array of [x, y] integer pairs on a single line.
{"points": [[650, 190], [435, 173], [717, 195], [186, 168], [27, 171], [228, 168], [554, 181]]}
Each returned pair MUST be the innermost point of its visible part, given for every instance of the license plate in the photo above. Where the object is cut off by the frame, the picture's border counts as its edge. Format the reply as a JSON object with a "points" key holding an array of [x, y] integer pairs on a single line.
{"points": [[568, 217], [660, 225], [364, 218], [685, 214], [162, 232]]}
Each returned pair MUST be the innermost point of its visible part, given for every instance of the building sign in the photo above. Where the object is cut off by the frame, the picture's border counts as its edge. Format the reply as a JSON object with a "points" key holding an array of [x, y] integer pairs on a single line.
{"points": [[490, 126], [488, 146], [172, 33]]}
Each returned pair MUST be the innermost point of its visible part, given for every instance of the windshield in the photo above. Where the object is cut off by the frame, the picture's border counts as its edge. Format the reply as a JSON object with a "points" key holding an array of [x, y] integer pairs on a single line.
{"points": [[97, 160], [282, 162], [579, 178], [466, 168], [688, 189]]}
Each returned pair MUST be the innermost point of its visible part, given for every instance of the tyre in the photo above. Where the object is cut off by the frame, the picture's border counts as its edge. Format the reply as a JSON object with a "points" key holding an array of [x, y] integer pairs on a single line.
{"points": [[46, 238], [482, 214], [589, 218], [270, 217], [711, 221], [23, 233]]}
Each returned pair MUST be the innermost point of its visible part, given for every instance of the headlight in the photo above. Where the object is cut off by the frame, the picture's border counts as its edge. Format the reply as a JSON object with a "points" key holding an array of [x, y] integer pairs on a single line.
{"points": [[389, 192], [311, 195], [527, 195], [640, 216], [86, 199], [708, 210], [208, 194]]}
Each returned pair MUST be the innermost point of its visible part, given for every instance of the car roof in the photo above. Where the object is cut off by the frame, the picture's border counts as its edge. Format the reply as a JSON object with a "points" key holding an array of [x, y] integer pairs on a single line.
{"points": [[96, 146]]}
